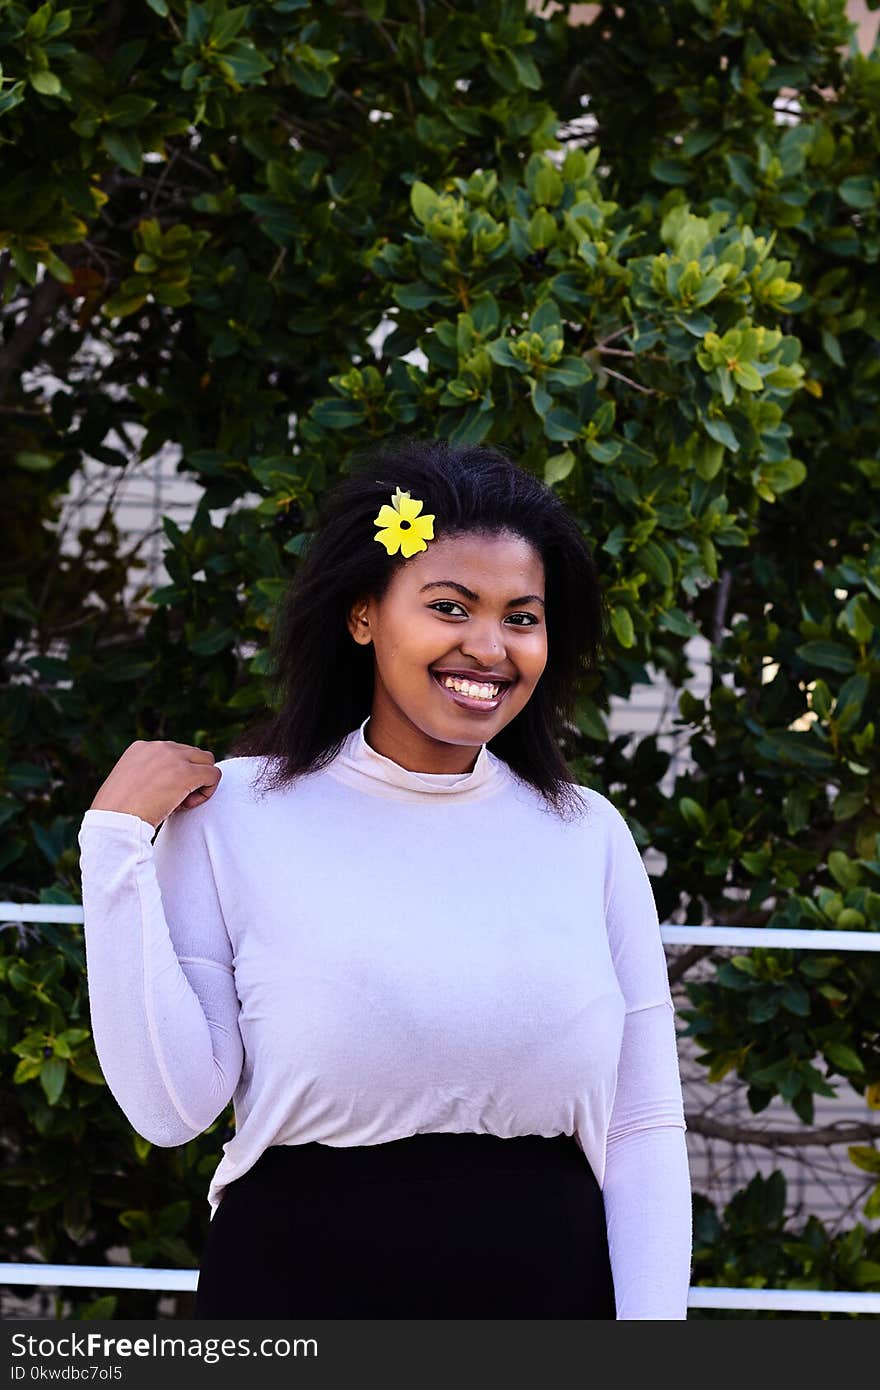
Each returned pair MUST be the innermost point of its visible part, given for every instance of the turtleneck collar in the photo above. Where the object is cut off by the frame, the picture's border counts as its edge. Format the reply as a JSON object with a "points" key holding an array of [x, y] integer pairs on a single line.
{"points": [[361, 766]]}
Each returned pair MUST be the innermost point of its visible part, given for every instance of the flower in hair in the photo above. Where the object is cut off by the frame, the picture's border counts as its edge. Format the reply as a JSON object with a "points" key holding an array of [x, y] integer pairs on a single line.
{"points": [[403, 528]]}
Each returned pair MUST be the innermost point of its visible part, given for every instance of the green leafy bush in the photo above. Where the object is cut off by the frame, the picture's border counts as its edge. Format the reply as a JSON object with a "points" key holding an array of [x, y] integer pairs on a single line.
{"points": [[642, 254]]}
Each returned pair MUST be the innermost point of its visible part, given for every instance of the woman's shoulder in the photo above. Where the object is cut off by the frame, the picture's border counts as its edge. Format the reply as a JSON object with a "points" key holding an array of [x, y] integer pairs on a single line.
{"points": [[602, 810], [585, 806], [258, 778], [594, 800], [240, 778]]}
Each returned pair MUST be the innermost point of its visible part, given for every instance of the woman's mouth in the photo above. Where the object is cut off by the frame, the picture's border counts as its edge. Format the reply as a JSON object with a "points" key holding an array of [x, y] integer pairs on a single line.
{"points": [[482, 699]]}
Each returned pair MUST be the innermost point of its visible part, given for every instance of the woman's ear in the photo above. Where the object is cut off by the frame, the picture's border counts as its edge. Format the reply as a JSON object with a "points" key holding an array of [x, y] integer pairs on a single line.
{"points": [[358, 622]]}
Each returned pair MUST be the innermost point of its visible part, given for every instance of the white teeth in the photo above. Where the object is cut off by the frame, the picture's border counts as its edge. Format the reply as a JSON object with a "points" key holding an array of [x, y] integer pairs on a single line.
{"points": [[476, 692]]}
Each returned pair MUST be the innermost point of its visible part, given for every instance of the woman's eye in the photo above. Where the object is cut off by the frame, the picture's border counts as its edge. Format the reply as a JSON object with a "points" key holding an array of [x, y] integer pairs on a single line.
{"points": [[452, 604]]}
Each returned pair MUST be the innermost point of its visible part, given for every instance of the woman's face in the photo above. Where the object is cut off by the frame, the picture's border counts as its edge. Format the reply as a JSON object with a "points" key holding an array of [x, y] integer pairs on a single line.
{"points": [[427, 623]]}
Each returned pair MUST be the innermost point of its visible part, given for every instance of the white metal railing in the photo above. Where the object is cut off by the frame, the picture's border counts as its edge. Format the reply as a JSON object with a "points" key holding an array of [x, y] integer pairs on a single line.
{"points": [[180, 1280], [782, 938], [793, 1300], [818, 939]]}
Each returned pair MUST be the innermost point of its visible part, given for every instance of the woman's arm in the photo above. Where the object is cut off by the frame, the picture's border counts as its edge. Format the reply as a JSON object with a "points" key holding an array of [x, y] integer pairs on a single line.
{"points": [[162, 995], [646, 1187]]}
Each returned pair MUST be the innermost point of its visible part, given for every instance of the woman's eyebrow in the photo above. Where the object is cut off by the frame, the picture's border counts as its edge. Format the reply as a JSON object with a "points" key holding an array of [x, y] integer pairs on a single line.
{"points": [[475, 598]]}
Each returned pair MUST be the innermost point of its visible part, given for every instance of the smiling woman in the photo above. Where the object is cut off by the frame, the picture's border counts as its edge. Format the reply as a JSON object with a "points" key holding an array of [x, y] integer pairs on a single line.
{"points": [[485, 658], [443, 1014], [368, 621]]}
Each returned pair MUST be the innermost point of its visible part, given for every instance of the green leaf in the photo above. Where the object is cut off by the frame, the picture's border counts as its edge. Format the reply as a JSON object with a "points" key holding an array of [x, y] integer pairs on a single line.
{"points": [[744, 963], [708, 458], [227, 24], [567, 373], [741, 169], [693, 814], [561, 425], [622, 625], [547, 321], [832, 347], [796, 999], [57, 268], [843, 1057], [45, 82], [215, 638], [653, 558], [850, 697], [124, 147], [864, 1157], [26, 1070], [782, 477], [672, 171], [314, 81], [542, 231], [831, 656], [500, 352], [721, 432], [548, 186], [859, 191], [430, 86], [558, 467], [866, 1273], [38, 23], [423, 201], [53, 1074], [418, 295], [14, 96], [541, 398], [603, 450], [472, 427], [526, 71], [674, 620], [129, 109], [336, 413], [247, 65], [485, 315], [122, 304], [843, 870], [747, 377], [34, 462]]}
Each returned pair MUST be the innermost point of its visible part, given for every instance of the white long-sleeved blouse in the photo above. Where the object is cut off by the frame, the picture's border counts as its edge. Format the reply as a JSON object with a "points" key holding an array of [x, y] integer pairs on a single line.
{"points": [[373, 953]]}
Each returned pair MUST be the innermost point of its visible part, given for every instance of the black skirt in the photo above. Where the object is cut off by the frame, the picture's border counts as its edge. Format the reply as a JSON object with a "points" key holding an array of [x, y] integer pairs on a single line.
{"points": [[431, 1226]]}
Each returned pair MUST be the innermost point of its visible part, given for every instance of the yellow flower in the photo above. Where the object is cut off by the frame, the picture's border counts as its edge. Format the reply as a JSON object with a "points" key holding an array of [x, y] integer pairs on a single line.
{"points": [[404, 529]]}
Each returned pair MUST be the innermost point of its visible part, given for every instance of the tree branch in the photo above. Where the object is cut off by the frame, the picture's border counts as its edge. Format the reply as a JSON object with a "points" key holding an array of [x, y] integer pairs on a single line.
{"points": [[722, 598], [840, 1132], [618, 333], [647, 390], [686, 959], [41, 306]]}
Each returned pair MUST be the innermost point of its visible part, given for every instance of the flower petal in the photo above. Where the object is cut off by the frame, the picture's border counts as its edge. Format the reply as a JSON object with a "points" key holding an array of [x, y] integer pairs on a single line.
{"points": [[412, 544], [390, 538], [387, 516], [410, 508]]}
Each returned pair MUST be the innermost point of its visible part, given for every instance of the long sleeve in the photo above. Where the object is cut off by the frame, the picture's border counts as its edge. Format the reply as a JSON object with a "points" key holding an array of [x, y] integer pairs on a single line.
{"points": [[162, 995], [646, 1188]]}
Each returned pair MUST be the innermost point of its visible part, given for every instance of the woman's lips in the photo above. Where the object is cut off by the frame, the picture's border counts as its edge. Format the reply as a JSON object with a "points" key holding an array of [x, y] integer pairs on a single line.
{"points": [[468, 701]]}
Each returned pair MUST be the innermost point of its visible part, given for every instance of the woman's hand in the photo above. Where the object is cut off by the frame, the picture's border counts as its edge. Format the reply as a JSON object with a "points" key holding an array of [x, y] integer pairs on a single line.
{"points": [[154, 778]]}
